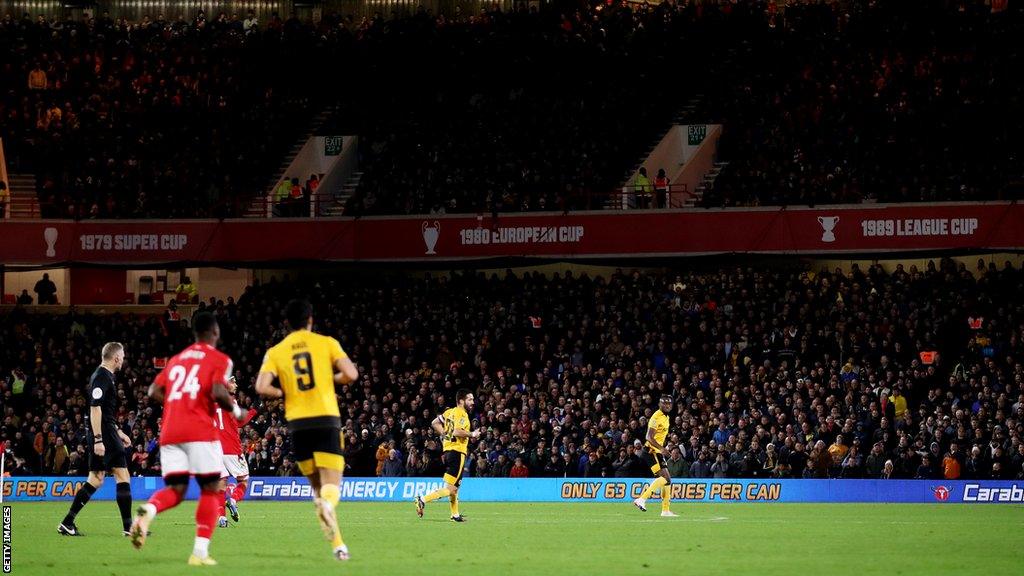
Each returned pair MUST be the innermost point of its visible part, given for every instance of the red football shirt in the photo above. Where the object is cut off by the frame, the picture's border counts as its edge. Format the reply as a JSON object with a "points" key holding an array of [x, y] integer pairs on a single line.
{"points": [[230, 442], [187, 382]]}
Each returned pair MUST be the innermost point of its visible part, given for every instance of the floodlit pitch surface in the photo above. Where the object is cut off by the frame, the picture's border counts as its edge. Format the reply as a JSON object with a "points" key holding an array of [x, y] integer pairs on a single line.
{"points": [[276, 538]]}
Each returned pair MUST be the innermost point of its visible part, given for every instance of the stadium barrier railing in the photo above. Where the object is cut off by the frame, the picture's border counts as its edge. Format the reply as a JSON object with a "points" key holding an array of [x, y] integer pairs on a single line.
{"points": [[621, 490]]}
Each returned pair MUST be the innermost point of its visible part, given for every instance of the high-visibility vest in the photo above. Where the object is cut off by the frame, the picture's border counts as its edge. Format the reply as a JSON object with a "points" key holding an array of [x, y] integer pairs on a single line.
{"points": [[661, 184]]}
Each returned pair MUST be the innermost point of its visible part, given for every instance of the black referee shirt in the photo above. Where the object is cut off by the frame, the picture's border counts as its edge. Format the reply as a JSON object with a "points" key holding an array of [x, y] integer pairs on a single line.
{"points": [[103, 393]]}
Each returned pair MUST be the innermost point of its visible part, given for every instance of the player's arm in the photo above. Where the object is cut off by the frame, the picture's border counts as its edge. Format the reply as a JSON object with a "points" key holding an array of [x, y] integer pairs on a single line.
{"points": [[344, 370], [156, 389], [96, 422], [265, 386], [651, 433], [265, 380], [438, 425]]}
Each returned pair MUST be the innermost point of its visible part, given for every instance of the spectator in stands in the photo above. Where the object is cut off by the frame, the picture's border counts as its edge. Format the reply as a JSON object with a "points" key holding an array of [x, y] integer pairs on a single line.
{"points": [[393, 466], [661, 186], [282, 198], [642, 189], [37, 79], [46, 290], [187, 290], [952, 463], [519, 469], [5, 200], [24, 299]]}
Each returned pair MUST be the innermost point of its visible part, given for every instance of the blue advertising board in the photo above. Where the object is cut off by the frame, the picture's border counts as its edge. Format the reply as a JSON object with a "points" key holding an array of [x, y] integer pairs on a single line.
{"points": [[569, 490]]}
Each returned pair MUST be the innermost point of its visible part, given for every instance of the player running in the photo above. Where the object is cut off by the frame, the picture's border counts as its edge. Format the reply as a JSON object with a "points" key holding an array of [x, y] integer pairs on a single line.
{"points": [[453, 428], [106, 443], [189, 387], [308, 366], [234, 464], [657, 431]]}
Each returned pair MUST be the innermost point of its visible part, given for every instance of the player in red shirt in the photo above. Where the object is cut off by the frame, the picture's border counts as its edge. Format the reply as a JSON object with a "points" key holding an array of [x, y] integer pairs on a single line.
{"points": [[190, 387], [234, 463]]}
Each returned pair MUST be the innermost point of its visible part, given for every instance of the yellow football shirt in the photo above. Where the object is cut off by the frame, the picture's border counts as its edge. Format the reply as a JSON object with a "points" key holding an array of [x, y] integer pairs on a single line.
{"points": [[659, 423], [303, 363], [455, 419]]}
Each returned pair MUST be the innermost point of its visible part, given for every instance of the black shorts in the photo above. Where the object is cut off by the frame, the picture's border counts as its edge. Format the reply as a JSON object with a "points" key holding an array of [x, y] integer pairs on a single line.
{"points": [[318, 448], [113, 457], [656, 462], [454, 463]]}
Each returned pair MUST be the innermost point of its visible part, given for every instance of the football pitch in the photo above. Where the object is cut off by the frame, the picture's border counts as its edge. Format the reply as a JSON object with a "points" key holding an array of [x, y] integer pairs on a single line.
{"points": [[276, 538]]}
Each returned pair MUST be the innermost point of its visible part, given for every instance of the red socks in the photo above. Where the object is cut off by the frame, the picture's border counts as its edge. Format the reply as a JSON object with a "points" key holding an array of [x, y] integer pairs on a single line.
{"points": [[210, 504], [165, 499], [238, 493]]}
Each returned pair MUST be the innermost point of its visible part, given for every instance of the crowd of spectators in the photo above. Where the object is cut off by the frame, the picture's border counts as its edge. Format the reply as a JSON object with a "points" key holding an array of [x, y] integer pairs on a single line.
{"points": [[912, 101], [539, 109], [157, 118], [532, 108], [776, 372]]}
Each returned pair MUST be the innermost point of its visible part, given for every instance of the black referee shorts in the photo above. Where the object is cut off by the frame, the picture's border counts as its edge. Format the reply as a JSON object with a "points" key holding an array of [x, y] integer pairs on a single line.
{"points": [[113, 457]]}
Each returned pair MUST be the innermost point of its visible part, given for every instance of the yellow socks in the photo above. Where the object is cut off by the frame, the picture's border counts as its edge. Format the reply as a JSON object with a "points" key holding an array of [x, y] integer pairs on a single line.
{"points": [[436, 494], [658, 483], [453, 503], [330, 494], [666, 498]]}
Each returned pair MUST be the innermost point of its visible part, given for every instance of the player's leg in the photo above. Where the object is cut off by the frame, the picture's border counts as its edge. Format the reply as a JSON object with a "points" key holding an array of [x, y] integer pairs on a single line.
{"points": [[237, 467], [453, 488], [666, 491], [206, 464], [329, 465], [82, 496], [222, 519], [655, 465], [173, 492], [211, 495], [124, 496], [446, 490]]}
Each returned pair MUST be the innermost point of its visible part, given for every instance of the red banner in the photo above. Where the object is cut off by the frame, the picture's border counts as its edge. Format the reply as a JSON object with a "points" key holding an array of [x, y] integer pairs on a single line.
{"points": [[881, 228]]}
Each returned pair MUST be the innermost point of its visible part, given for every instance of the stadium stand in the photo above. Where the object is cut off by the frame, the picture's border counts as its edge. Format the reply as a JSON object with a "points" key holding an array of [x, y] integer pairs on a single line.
{"points": [[120, 119], [777, 372]]}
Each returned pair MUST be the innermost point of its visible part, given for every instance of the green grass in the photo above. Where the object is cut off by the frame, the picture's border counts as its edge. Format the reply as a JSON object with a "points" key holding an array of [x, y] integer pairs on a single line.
{"points": [[277, 538]]}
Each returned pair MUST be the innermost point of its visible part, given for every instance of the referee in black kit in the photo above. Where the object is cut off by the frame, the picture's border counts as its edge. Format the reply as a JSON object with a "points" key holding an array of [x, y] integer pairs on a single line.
{"points": [[107, 443]]}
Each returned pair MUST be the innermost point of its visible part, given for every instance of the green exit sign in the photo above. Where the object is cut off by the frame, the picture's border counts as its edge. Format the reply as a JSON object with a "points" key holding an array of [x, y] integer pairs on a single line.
{"points": [[332, 145], [695, 134]]}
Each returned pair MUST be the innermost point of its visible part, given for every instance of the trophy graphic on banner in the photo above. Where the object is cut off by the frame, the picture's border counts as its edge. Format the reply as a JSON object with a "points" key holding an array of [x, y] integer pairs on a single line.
{"points": [[50, 235], [828, 224], [430, 236]]}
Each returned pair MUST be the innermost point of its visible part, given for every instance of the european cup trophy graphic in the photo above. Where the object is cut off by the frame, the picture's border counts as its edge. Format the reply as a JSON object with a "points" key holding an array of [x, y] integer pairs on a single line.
{"points": [[430, 236], [50, 235], [828, 224]]}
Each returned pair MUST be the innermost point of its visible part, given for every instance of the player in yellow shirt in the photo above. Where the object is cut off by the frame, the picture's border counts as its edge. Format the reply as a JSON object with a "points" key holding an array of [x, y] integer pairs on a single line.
{"points": [[654, 456], [307, 367], [453, 428]]}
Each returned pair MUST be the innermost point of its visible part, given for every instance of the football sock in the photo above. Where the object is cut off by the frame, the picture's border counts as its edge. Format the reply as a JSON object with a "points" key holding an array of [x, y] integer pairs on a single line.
{"points": [[81, 499], [124, 503], [436, 494], [666, 497], [201, 549], [206, 518], [658, 483], [164, 499], [239, 492], [329, 494], [453, 503]]}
